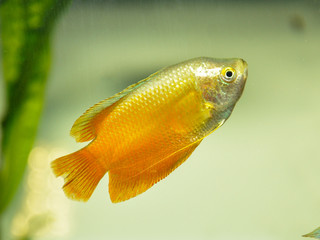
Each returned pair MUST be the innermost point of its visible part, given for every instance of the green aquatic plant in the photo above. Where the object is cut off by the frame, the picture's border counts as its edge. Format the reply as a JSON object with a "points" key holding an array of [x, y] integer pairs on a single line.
{"points": [[314, 234], [26, 28]]}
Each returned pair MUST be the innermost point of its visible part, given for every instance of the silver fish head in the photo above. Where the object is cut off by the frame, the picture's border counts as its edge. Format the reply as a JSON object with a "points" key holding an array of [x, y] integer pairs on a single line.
{"points": [[221, 81]]}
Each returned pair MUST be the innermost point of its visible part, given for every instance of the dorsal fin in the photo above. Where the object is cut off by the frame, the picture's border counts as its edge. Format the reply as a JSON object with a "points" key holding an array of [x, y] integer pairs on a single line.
{"points": [[83, 128]]}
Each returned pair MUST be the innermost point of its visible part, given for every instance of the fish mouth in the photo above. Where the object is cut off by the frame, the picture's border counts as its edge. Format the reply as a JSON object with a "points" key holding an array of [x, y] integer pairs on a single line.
{"points": [[245, 67], [245, 74]]}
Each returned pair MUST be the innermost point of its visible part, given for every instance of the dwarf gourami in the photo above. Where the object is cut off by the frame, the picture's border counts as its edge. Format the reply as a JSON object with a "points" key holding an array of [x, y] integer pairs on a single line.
{"points": [[140, 135]]}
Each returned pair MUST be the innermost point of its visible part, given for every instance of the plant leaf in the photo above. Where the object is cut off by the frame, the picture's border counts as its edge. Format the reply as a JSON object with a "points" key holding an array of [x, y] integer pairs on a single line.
{"points": [[314, 234], [26, 28]]}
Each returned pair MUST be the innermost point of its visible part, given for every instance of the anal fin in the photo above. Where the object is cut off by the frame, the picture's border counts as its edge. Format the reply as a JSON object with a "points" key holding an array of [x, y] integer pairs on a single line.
{"points": [[125, 183]]}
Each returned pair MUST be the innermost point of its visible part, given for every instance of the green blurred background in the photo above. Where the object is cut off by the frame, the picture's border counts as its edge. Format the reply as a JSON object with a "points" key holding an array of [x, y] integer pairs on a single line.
{"points": [[256, 178]]}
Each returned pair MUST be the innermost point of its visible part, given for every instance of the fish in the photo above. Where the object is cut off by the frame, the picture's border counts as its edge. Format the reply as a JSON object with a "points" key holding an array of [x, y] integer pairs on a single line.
{"points": [[143, 133]]}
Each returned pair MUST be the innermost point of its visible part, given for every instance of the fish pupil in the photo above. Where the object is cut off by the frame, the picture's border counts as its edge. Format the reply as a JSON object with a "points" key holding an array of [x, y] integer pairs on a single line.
{"points": [[229, 74]]}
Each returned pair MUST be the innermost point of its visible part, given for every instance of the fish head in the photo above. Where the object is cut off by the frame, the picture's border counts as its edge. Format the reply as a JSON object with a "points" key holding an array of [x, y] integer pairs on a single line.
{"points": [[221, 81]]}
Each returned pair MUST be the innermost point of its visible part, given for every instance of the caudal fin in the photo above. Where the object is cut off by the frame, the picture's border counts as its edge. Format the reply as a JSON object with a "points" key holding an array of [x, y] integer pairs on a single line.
{"points": [[81, 173]]}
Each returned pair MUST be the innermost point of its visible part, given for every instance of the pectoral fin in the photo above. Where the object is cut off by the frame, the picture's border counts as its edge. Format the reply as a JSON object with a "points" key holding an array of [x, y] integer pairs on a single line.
{"points": [[125, 183]]}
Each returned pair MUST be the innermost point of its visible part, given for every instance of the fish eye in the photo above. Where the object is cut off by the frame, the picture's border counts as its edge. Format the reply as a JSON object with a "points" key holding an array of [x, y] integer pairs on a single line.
{"points": [[228, 74]]}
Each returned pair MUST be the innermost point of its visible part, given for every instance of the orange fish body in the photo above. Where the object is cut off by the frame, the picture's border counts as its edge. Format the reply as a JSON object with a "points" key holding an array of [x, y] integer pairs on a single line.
{"points": [[143, 133]]}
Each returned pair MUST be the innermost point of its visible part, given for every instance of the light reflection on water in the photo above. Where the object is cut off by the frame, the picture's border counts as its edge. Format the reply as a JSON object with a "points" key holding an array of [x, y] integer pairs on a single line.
{"points": [[45, 210]]}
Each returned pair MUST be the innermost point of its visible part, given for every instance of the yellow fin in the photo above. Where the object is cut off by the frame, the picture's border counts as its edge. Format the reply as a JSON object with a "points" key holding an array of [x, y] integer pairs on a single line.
{"points": [[84, 127], [81, 173], [123, 185]]}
